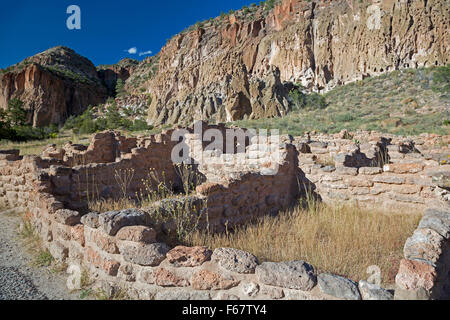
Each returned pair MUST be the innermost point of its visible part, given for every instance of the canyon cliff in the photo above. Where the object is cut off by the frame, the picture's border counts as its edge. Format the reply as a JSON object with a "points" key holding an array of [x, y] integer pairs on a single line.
{"points": [[52, 85], [242, 65]]}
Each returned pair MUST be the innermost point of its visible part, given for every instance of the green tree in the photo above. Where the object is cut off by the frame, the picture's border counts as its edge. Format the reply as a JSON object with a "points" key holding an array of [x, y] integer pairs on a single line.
{"points": [[5, 127], [16, 114], [270, 4], [301, 100], [113, 117], [120, 88], [3, 116]]}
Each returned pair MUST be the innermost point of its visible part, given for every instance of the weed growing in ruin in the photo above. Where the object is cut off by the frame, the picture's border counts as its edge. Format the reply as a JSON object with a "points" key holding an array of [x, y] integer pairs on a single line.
{"points": [[43, 259], [156, 187], [179, 216], [124, 178], [85, 285], [119, 294], [180, 219], [28, 234], [189, 177], [85, 293]]}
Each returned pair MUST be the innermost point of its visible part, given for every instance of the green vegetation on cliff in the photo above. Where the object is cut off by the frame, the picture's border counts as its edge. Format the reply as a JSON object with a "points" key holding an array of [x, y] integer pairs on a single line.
{"points": [[13, 124], [111, 118], [405, 102]]}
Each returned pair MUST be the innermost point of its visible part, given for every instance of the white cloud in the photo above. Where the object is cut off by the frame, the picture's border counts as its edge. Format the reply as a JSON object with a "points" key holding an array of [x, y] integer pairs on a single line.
{"points": [[145, 53], [132, 50]]}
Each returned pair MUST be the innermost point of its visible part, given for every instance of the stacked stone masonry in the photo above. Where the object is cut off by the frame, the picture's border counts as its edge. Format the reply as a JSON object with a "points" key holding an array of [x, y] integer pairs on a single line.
{"points": [[122, 250]]}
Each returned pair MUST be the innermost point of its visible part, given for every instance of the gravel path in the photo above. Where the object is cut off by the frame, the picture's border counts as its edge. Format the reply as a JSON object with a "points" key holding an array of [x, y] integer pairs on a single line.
{"points": [[19, 280]]}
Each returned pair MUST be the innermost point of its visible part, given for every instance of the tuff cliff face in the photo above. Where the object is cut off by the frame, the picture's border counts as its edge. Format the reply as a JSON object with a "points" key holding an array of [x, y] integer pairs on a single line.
{"points": [[243, 65], [52, 85], [122, 70]]}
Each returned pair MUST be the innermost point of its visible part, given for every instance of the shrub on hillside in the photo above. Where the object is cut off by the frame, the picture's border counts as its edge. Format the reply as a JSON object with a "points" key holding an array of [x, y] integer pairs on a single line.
{"points": [[301, 100], [441, 79], [88, 123], [120, 88]]}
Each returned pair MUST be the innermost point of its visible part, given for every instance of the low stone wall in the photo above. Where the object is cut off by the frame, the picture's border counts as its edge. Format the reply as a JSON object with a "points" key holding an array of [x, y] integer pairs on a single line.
{"points": [[122, 252], [425, 271], [389, 173], [124, 249]]}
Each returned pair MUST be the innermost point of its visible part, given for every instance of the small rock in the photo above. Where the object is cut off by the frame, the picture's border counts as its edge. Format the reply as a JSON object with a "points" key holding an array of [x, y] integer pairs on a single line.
{"points": [[90, 220], [235, 260], [167, 278], [293, 274], [413, 275], [137, 234], [109, 288], [67, 217], [329, 169], [441, 179], [338, 286], [58, 251], [272, 292], [77, 234], [182, 256], [425, 245], [225, 296], [250, 289], [208, 280], [437, 220], [182, 294], [112, 221], [371, 291], [144, 254], [318, 144]]}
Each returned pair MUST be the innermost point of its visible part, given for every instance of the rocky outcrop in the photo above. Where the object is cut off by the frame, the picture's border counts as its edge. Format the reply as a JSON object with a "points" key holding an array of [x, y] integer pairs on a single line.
{"points": [[110, 74], [53, 85], [238, 66]]}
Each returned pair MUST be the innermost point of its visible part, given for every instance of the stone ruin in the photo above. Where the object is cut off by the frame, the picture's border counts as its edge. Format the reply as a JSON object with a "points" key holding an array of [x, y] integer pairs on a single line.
{"points": [[123, 249]]}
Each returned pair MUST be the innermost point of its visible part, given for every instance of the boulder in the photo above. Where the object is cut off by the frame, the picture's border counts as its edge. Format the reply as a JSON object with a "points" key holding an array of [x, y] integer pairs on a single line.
{"points": [[437, 220], [338, 286], [91, 220], [424, 245], [111, 222], [293, 275], [235, 260], [137, 234], [209, 280], [371, 291], [144, 254], [67, 217], [182, 256]]}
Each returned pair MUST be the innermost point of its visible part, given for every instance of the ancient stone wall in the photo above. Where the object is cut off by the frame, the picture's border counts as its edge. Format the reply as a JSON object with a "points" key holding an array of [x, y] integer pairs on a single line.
{"points": [[123, 249], [425, 270], [388, 172]]}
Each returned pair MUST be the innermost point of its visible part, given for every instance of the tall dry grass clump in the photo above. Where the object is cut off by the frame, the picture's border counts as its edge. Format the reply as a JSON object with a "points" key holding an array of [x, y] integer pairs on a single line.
{"points": [[342, 239], [154, 187]]}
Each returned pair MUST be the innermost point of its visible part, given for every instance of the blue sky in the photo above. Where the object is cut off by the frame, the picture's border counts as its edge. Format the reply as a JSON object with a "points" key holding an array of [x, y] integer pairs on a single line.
{"points": [[108, 28]]}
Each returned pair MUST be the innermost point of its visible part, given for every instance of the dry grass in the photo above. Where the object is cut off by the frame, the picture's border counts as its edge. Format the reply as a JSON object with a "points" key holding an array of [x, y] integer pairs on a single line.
{"points": [[154, 188], [341, 239], [120, 294], [105, 205], [36, 147]]}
